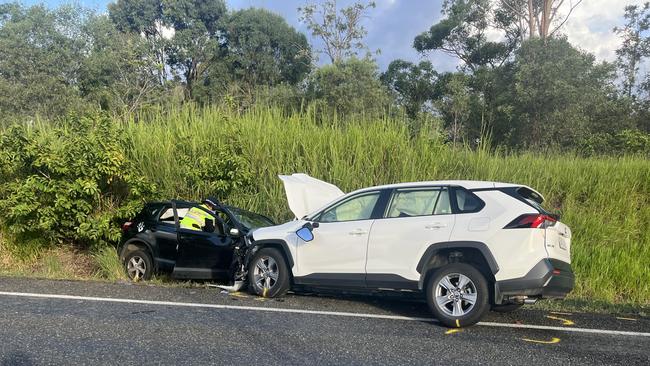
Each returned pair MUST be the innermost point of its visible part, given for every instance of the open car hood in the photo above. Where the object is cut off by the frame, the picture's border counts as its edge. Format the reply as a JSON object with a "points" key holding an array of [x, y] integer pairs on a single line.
{"points": [[306, 194]]}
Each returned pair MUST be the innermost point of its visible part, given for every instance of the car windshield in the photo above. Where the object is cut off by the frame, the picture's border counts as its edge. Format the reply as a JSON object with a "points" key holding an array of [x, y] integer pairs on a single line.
{"points": [[249, 219]]}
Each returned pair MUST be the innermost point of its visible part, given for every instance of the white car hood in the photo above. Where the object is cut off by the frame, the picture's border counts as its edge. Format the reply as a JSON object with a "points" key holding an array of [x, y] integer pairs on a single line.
{"points": [[306, 194]]}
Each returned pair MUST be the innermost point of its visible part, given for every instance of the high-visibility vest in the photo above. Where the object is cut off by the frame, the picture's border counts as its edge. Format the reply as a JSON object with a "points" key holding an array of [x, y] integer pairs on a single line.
{"points": [[195, 217]]}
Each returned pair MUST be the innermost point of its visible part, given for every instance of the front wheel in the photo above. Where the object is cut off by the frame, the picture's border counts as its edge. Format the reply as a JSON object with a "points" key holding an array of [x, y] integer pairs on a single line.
{"points": [[457, 295], [268, 275]]}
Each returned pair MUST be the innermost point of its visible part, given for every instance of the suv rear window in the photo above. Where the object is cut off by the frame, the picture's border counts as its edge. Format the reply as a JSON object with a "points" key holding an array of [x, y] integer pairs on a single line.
{"points": [[466, 201], [532, 198]]}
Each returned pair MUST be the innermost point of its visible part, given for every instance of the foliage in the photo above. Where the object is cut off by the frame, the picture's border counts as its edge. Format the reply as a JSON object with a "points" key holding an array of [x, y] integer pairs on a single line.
{"points": [[263, 50], [195, 45], [413, 85], [462, 33], [144, 17], [341, 30], [69, 181], [114, 74], [347, 88], [39, 57], [635, 46], [558, 90]]}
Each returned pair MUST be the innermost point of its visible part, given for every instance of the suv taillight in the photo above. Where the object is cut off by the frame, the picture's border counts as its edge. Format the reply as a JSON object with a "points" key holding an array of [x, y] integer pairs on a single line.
{"points": [[126, 226], [531, 221]]}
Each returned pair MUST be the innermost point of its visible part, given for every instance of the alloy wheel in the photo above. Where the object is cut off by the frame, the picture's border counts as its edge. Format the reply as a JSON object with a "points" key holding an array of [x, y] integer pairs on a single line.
{"points": [[136, 268], [266, 272], [455, 294]]}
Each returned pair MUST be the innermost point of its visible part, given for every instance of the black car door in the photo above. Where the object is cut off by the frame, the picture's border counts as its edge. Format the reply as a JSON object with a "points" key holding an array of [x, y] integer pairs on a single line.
{"points": [[203, 255]]}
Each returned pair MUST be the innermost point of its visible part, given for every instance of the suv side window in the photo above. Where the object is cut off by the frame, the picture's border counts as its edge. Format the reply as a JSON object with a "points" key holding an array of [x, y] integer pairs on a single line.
{"points": [[413, 202], [356, 208], [466, 201]]}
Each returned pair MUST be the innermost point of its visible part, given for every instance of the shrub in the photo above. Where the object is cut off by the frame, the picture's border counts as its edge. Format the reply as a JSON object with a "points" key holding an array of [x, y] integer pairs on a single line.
{"points": [[68, 181]]}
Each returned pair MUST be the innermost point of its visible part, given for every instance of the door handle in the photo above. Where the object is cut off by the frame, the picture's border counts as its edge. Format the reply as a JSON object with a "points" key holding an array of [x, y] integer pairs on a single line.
{"points": [[358, 232], [437, 225]]}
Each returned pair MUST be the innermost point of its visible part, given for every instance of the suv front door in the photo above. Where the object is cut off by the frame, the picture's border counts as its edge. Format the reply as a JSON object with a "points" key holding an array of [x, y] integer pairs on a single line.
{"points": [[203, 255], [414, 219], [337, 254]]}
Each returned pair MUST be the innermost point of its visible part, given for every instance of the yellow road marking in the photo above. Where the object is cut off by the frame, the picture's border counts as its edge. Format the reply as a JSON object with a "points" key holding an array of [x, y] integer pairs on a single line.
{"points": [[452, 331], [564, 321], [622, 318], [552, 341], [458, 323], [266, 290], [238, 294]]}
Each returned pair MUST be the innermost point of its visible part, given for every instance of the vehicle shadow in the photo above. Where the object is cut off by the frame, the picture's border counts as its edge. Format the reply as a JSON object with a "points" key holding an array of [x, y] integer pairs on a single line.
{"points": [[385, 303]]}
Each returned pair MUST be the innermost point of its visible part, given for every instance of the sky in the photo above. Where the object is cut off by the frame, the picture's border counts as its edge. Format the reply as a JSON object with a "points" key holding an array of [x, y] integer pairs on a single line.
{"points": [[393, 25]]}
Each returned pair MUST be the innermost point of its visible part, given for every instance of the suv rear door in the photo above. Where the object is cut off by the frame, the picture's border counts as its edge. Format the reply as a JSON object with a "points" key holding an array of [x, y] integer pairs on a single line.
{"points": [[414, 219], [557, 238]]}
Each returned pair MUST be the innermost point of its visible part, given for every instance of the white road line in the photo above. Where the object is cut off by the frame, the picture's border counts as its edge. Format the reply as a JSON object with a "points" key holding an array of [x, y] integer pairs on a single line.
{"points": [[313, 312]]}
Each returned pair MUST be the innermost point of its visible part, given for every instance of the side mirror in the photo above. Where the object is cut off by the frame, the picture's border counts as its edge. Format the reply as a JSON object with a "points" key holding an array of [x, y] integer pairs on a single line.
{"points": [[234, 232], [305, 234]]}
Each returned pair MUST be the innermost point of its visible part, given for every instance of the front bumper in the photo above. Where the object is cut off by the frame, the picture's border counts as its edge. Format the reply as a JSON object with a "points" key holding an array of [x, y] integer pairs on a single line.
{"points": [[550, 278]]}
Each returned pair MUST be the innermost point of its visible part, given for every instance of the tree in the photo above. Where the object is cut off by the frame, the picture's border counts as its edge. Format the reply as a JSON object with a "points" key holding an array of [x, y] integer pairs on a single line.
{"points": [[462, 33], [40, 55], [454, 103], [144, 17], [561, 95], [635, 45], [196, 40], [264, 50], [412, 84], [341, 31], [535, 17], [348, 87], [114, 72]]}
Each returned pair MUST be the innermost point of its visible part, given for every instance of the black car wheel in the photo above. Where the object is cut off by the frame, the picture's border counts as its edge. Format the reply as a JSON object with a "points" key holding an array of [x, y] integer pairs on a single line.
{"points": [[138, 265], [268, 274], [457, 295]]}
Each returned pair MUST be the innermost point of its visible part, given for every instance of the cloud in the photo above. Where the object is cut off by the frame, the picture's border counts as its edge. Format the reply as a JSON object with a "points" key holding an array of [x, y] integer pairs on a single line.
{"points": [[591, 24]]}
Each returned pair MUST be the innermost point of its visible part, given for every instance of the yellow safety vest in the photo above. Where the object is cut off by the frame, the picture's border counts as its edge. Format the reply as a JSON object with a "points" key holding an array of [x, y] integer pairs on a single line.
{"points": [[194, 219]]}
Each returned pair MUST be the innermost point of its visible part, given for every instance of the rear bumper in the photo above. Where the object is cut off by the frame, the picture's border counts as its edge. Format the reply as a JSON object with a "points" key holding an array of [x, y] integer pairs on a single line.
{"points": [[550, 278]]}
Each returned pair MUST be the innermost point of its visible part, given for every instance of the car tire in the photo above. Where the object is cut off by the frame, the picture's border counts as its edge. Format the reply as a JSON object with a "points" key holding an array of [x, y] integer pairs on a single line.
{"points": [[138, 265], [506, 308], [268, 274], [451, 301]]}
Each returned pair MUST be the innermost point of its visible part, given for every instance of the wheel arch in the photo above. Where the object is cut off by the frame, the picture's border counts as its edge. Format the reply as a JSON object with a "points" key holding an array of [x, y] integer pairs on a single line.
{"points": [[471, 252], [136, 244], [278, 244]]}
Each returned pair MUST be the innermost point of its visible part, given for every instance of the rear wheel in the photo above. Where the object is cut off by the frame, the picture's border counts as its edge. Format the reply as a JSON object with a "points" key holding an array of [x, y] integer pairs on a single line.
{"points": [[457, 295], [268, 275], [138, 265]]}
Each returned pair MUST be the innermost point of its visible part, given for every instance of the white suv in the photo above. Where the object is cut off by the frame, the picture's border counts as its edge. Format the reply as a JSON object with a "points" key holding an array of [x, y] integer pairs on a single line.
{"points": [[465, 245]]}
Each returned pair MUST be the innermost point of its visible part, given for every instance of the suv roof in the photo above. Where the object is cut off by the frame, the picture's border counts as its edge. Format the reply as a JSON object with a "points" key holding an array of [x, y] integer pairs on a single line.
{"points": [[468, 184]]}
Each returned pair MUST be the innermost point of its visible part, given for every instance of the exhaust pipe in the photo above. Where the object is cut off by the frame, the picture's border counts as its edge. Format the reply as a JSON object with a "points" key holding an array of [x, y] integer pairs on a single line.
{"points": [[530, 301]]}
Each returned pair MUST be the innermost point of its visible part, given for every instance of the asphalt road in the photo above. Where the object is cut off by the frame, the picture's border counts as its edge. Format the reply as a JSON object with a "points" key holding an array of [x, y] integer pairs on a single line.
{"points": [[64, 322]]}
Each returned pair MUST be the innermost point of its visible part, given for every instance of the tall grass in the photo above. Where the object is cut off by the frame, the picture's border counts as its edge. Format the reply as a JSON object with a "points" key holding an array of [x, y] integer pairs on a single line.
{"points": [[604, 200]]}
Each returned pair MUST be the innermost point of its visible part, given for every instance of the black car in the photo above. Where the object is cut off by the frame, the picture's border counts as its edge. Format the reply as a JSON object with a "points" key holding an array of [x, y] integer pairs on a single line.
{"points": [[154, 242]]}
